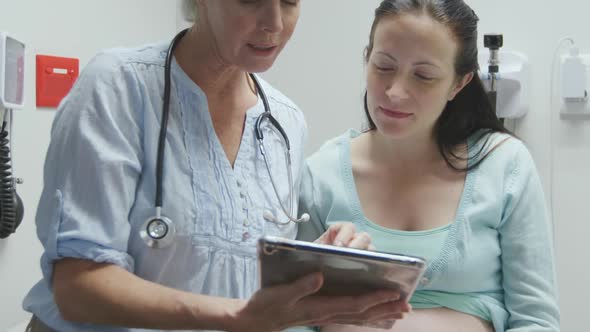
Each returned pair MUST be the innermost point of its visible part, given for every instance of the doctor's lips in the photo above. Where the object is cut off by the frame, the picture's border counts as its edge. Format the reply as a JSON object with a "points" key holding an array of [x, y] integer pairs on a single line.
{"points": [[263, 50], [394, 113]]}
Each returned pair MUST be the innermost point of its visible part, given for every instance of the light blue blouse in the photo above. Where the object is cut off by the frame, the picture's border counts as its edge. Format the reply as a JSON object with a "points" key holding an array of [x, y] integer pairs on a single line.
{"points": [[99, 182], [498, 251]]}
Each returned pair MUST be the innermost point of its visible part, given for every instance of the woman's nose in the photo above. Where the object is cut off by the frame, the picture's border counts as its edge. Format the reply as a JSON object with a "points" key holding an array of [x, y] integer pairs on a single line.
{"points": [[397, 89], [272, 20]]}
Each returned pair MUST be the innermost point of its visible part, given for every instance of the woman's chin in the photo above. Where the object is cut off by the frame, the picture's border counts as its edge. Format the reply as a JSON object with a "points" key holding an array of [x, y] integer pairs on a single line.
{"points": [[392, 127], [257, 68], [257, 64], [394, 131]]}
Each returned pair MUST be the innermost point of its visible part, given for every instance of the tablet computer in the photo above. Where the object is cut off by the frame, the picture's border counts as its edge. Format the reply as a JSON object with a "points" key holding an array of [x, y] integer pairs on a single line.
{"points": [[346, 271]]}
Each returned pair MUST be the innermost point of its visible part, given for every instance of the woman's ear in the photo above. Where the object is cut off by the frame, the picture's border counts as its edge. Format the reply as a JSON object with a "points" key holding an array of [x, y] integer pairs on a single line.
{"points": [[460, 85]]}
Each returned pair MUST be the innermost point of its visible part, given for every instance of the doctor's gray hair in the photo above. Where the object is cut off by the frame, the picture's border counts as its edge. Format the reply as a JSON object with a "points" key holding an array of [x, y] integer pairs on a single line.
{"points": [[471, 111], [189, 10]]}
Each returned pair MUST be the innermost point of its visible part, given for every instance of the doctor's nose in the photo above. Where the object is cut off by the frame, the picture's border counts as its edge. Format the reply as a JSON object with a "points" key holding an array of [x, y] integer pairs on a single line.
{"points": [[272, 20]]}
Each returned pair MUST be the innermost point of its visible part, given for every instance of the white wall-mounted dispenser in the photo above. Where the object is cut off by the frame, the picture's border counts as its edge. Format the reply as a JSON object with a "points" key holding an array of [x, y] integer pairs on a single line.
{"points": [[573, 77]]}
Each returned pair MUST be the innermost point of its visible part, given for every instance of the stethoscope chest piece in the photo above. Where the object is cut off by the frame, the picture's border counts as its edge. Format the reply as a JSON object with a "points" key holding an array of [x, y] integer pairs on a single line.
{"points": [[158, 232]]}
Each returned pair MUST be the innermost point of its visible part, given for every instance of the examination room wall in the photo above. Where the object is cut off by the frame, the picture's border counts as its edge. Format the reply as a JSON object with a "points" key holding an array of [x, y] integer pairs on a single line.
{"points": [[70, 28], [322, 71]]}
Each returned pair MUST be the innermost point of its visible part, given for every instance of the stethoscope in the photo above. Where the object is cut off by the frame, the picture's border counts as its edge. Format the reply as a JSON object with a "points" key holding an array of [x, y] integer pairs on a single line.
{"points": [[159, 231]]}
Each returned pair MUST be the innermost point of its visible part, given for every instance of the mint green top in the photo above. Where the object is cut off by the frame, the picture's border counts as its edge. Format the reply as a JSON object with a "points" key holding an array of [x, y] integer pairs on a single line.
{"points": [[425, 244], [496, 260]]}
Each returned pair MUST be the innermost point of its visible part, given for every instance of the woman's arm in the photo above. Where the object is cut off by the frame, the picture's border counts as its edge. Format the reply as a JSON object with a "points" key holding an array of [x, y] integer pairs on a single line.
{"points": [[530, 288], [88, 292], [106, 294]]}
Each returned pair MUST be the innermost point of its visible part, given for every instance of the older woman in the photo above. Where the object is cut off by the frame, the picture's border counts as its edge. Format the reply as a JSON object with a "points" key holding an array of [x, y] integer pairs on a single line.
{"points": [[103, 270]]}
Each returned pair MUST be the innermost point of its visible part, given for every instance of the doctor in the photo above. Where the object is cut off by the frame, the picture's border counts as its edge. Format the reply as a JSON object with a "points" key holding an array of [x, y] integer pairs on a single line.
{"points": [[141, 236]]}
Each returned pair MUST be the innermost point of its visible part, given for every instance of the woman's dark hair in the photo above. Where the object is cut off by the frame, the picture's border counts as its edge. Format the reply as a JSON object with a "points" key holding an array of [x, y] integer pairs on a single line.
{"points": [[471, 111]]}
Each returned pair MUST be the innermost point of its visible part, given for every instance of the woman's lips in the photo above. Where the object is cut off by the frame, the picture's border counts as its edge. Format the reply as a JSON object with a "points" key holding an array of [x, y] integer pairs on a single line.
{"points": [[262, 50], [394, 113]]}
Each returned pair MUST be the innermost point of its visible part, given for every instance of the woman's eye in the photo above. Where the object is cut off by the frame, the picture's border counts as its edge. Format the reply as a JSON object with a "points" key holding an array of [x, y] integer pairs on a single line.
{"points": [[424, 77], [384, 67], [287, 2]]}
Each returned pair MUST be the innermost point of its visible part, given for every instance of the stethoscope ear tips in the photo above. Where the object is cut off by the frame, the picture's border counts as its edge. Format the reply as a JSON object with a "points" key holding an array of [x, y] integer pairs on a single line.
{"points": [[269, 216], [158, 232], [272, 218]]}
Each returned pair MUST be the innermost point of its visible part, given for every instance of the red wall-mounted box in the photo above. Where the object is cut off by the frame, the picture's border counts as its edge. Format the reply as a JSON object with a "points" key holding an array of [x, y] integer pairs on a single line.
{"points": [[55, 78]]}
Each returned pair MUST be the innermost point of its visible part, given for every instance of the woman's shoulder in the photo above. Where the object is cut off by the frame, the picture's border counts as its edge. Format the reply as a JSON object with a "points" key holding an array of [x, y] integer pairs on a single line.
{"points": [[287, 113], [502, 153], [118, 60], [331, 152], [110, 78], [277, 97]]}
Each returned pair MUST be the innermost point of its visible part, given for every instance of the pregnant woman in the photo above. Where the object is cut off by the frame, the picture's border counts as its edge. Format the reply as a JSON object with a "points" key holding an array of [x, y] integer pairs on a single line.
{"points": [[437, 175]]}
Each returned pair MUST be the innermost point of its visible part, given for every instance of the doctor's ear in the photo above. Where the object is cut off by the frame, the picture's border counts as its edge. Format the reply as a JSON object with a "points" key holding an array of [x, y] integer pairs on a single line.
{"points": [[460, 84]]}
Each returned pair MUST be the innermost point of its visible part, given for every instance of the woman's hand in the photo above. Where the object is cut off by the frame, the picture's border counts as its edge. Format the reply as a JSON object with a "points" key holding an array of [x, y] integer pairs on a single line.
{"points": [[281, 307], [344, 234]]}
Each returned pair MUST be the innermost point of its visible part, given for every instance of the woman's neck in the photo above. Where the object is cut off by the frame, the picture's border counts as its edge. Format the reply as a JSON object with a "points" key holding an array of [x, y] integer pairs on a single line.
{"points": [[198, 56], [410, 151]]}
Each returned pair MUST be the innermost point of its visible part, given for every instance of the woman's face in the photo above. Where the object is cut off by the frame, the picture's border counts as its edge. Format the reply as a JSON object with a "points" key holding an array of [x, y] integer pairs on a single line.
{"points": [[411, 74], [249, 33]]}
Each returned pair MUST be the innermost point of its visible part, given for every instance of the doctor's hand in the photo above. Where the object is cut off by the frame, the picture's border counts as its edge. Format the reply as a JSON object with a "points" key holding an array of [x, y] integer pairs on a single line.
{"points": [[344, 234], [281, 307]]}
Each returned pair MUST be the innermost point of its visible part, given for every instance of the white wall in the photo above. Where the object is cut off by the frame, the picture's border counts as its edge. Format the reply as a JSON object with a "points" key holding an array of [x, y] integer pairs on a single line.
{"points": [[71, 28], [321, 70]]}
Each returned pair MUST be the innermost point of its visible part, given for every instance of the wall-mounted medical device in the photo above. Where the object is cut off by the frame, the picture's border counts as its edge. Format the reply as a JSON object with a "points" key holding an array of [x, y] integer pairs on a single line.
{"points": [[493, 42], [12, 72], [12, 79], [506, 77], [573, 77]]}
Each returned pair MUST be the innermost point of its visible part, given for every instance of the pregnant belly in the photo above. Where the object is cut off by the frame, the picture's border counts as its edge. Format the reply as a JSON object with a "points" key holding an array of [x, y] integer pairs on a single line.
{"points": [[428, 320]]}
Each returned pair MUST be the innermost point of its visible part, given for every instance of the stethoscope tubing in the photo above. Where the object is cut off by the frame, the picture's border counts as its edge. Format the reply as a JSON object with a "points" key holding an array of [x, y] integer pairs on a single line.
{"points": [[161, 222]]}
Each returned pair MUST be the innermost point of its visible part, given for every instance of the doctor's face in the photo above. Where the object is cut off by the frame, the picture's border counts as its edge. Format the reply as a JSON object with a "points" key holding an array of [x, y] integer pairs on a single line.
{"points": [[410, 74], [249, 33]]}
